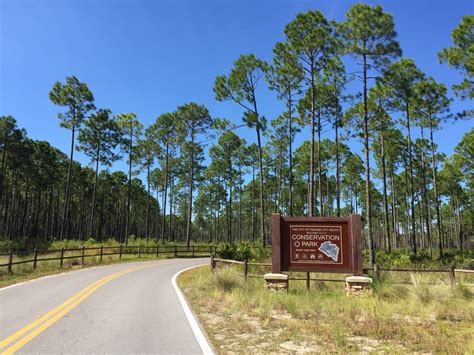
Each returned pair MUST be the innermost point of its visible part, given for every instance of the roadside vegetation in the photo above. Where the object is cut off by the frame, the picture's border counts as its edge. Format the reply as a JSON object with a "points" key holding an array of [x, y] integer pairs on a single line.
{"points": [[26, 271], [240, 251], [426, 315], [397, 258]]}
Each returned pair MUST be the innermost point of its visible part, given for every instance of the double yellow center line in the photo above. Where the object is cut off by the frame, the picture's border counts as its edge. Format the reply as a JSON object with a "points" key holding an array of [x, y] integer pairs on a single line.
{"points": [[48, 319]]}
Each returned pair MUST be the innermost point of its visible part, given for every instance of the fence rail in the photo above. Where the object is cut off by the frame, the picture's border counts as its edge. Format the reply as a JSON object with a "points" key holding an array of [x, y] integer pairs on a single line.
{"points": [[451, 271], [36, 255]]}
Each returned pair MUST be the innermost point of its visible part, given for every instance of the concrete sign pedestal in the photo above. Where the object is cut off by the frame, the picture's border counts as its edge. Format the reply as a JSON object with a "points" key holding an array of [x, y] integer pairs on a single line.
{"points": [[276, 282], [358, 285]]}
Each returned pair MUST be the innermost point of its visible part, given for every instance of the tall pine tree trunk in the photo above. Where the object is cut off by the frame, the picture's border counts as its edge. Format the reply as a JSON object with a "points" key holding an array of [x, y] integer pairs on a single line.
{"points": [[394, 210], [165, 192], [320, 172], [190, 201], [47, 226], [412, 184], [4, 164], [91, 223], [171, 221], [313, 123], [65, 218], [338, 191], [147, 217], [367, 172], [240, 201], [290, 156], [129, 193], [230, 214], [280, 178], [253, 203], [157, 217], [425, 202], [262, 204], [230, 197], [385, 197], [5, 210], [435, 190]]}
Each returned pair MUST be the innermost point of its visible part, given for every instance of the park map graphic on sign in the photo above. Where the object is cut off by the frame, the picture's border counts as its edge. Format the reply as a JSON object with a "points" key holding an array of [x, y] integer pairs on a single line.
{"points": [[316, 244], [330, 249]]}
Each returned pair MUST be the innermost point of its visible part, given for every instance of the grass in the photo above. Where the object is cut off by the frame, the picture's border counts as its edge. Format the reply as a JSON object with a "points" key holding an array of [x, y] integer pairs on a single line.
{"points": [[226, 279], [242, 317]]}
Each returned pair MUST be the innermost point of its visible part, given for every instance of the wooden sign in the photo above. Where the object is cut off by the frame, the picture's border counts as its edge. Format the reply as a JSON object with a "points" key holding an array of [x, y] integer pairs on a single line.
{"points": [[317, 244]]}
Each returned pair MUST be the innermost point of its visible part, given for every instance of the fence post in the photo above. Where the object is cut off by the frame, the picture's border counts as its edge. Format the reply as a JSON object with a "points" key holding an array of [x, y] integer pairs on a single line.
{"points": [[308, 281], [139, 251], [377, 271], [83, 253], [193, 250], [120, 253], [213, 263], [101, 252], [175, 251], [10, 261], [62, 258], [35, 258], [157, 250], [246, 268], [452, 276]]}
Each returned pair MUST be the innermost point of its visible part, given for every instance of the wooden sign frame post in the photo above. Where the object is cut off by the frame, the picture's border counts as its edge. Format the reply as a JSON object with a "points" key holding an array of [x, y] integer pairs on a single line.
{"points": [[315, 244]]}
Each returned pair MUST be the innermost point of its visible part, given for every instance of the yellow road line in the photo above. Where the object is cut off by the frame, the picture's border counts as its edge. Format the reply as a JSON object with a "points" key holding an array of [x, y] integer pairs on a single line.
{"points": [[42, 318], [54, 315]]}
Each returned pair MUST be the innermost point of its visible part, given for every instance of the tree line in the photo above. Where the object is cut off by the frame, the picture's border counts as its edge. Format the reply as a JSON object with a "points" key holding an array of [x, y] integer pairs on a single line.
{"points": [[411, 195]]}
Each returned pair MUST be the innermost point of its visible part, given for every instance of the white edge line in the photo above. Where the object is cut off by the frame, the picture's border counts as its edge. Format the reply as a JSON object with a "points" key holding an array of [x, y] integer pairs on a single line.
{"points": [[198, 334]]}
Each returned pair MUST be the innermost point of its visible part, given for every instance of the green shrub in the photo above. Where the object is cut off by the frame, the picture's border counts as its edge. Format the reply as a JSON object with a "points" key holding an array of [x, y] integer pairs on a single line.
{"points": [[399, 257], [22, 244], [66, 244], [244, 251], [7, 245], [89, 243], [405, 258], [227, 251], [261, 252]]}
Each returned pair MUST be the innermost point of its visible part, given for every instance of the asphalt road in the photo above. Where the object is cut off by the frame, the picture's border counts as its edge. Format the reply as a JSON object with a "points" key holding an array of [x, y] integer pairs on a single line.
{"points": [[135, 310]]}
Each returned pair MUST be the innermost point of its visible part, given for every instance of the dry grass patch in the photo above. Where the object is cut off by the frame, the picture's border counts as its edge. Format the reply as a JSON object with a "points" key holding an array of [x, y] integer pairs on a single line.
{"points": [[242, 317]]}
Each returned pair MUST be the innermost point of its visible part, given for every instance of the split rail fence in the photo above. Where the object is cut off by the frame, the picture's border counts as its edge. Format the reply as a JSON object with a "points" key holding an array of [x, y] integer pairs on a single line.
{"points": [[376, 269], [36, 256]]}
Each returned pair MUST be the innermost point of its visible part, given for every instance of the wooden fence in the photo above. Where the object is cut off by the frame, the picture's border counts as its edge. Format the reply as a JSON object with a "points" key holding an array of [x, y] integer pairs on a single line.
{"points": [[37, 256], [451, 271]]}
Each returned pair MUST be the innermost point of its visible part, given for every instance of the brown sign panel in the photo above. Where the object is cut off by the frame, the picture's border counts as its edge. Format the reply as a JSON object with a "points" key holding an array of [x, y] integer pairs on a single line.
{"points": [[317, 244]]}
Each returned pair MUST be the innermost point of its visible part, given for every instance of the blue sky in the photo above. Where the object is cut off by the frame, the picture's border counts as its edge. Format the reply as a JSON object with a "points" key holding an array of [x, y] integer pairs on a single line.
{"points": [[150, 56]]}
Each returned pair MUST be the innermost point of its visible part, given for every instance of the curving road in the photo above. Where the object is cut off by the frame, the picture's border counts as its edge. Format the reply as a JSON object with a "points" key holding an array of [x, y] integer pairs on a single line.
{"points": [[116, 309]]}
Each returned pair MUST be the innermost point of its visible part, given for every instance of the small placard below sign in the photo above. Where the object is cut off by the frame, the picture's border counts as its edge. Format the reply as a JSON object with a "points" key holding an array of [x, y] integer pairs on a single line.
{"points": [[321, 244]]}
